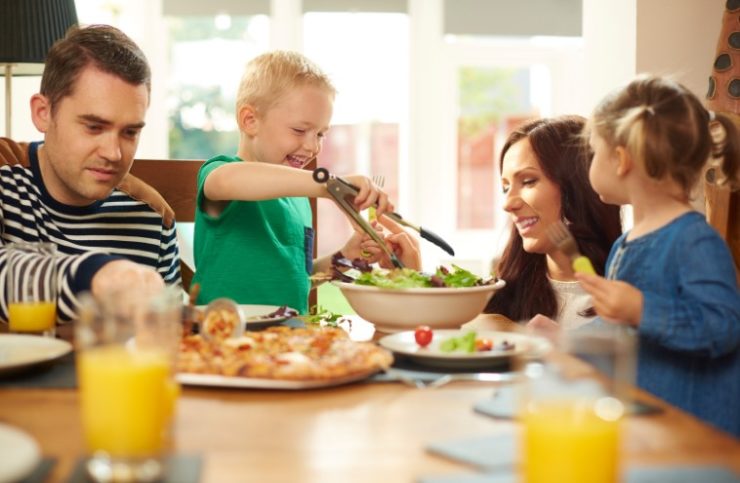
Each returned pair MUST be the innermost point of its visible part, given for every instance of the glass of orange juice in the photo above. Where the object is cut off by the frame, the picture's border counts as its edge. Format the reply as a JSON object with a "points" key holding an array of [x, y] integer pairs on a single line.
{"points": [[32, 293], [572, 407], [125, 359]]}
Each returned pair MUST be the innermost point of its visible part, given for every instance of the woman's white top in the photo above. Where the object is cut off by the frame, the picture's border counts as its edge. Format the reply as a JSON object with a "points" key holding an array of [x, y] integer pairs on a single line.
{"points": [[572, 299]]}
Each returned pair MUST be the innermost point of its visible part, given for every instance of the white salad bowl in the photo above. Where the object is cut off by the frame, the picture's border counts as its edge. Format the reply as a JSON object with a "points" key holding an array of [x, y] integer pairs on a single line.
{"points": [[394, 310]]}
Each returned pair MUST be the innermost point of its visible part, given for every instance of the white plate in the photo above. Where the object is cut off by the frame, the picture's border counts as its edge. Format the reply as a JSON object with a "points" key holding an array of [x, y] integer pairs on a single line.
{"points": [[20, 453], [256, 383], [18, 352], [404, 343], [256, 315]]}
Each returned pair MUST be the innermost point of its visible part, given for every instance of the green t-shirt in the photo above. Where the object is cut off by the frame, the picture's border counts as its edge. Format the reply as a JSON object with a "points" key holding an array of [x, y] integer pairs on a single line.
{"points": [[254, 252]]}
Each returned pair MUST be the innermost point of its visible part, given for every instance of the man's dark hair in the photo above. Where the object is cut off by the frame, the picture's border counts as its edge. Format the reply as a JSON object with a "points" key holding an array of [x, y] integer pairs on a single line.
{"points": [[102, 46]]}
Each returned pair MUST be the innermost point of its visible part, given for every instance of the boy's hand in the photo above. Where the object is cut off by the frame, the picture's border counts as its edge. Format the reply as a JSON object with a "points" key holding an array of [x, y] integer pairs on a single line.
{"points": [[404, 245], [370, 195], [614, 300]]}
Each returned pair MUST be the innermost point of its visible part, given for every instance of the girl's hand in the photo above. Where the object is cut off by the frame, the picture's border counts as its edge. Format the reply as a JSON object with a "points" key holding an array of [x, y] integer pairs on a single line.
{"points": [[404, 245], [614, 300], [370, 195]]}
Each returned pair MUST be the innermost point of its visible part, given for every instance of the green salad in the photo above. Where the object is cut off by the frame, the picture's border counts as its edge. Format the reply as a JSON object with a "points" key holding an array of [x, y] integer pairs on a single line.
{"points": [[409, 278]]}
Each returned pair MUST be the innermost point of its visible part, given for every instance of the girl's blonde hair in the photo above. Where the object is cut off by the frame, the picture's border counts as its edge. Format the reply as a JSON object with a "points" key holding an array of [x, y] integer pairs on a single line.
{"points": [[269, 76], [665, 127]]}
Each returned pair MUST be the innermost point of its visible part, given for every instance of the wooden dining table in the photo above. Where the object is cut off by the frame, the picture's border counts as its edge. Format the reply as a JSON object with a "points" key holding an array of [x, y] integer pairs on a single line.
{"points": [[360, 432]]}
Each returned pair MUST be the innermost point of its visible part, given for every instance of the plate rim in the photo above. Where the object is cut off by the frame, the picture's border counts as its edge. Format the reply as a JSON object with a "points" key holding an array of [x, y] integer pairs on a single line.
{"points": [[62, 348], [261, 323], [22, 438], [218, 380], [474, 358]]}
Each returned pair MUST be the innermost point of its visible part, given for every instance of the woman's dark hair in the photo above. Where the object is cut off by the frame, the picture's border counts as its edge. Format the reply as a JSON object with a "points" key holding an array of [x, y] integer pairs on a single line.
{"points": [[564, 159]]}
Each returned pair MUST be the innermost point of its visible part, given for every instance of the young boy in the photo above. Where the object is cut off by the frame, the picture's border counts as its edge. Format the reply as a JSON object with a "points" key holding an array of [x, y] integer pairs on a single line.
{"points": [[253, 236]]}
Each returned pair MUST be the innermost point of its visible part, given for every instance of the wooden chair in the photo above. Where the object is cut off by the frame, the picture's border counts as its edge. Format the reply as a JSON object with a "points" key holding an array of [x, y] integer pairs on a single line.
{"points": [[176, 181]]}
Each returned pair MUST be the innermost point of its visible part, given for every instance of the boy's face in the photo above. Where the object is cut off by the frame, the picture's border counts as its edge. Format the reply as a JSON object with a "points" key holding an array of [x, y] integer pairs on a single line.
{"points": [[532, 199], [603, 171], [91, 138], [291, 131]]}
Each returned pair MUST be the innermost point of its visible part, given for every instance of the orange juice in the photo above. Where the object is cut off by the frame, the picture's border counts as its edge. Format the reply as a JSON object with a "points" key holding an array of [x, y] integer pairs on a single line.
{"points": [[128, 399], [31, 316], [569, 441]]}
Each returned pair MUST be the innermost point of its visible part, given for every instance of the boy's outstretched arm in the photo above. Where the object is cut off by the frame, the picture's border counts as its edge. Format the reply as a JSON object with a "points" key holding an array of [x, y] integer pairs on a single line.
{"points": [[614, 300], [254, 181]]}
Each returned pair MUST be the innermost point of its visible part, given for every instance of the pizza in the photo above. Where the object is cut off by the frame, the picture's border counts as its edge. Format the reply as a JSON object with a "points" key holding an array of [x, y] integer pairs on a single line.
{"points": [[284, 353]]}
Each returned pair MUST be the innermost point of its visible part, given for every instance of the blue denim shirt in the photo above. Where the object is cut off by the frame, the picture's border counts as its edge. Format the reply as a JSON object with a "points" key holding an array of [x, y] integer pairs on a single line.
{"points": [[689, 335]]}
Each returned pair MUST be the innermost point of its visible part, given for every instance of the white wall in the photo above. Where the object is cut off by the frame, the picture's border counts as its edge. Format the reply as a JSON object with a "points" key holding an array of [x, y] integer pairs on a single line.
{"points": [[686, 50], [666, 37]]}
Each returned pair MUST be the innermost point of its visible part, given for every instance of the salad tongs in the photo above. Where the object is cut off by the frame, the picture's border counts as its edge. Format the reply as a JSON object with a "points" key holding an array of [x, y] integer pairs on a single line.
{"points": [[341, 189], [343, 192]]}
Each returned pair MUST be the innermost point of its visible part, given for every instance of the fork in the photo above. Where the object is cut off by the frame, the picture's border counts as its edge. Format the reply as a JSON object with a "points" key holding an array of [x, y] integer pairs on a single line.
{"points": [[566, 243], [379, 181]]}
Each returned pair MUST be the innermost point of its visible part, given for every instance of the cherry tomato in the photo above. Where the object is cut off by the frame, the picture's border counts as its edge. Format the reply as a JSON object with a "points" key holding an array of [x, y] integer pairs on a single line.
{"points": [[423, 335], [482, 345]]}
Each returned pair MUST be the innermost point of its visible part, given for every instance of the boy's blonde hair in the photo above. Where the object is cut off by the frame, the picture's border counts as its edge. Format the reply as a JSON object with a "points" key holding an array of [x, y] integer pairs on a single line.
{"points": [[269, 76], [664, 127]]}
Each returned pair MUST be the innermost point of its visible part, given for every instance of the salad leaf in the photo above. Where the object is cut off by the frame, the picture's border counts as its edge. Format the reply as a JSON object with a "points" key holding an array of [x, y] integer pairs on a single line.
{"points": [[409, 278], [318, 314], [464, 343], [398, 278]]}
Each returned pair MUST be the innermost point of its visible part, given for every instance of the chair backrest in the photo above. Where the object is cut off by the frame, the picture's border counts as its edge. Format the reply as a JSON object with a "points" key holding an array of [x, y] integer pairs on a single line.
{"points": [[176, 181]]}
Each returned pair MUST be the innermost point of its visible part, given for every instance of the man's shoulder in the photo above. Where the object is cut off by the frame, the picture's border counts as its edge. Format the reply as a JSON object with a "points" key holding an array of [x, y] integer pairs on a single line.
{"points": [[139, 190], [13, 153]]}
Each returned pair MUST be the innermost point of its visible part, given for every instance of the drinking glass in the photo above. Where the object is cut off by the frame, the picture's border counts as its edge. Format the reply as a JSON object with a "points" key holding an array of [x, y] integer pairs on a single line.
{"points": [[32, 293], [572, 406], [126, 348]]}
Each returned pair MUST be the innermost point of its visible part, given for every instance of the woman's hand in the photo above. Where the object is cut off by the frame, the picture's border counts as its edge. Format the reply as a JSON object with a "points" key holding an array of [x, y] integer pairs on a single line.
{"points": [[404, 245], [614, 300]]}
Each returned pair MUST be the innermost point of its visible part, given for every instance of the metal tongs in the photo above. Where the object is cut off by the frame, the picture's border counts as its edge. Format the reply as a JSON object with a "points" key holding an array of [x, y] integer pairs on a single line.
{"points": [[344, 192]]}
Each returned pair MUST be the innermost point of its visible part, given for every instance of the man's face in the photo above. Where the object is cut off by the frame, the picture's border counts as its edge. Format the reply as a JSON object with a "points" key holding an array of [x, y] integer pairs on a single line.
{"points": [[91, 138]]}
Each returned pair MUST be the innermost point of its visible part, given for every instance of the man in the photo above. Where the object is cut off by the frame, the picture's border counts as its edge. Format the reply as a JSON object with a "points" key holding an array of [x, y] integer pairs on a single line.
{"points": [[112, 231]]}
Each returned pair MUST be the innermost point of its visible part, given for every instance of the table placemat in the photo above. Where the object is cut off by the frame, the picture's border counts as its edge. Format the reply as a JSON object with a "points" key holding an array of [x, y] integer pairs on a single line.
{"points": [[497, 455], [404, 367], [180, 469], [57, 374], [39, 474], [503, 403], [655, 474]]}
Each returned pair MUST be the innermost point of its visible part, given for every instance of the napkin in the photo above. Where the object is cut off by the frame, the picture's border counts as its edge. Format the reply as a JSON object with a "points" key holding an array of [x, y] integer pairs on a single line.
{"points": [[494, 452]]}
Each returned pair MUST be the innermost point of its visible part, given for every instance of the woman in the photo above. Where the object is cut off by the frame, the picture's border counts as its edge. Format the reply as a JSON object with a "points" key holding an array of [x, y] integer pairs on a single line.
{"points": [[544, 173]]}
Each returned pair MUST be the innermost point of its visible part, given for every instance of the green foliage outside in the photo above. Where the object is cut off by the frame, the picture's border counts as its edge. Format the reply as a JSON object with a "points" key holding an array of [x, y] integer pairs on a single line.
{"points": [[487, 95]]}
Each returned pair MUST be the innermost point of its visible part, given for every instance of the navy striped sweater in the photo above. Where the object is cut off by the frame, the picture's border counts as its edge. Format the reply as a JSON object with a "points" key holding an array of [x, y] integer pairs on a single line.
{"points": [[86, 237]]}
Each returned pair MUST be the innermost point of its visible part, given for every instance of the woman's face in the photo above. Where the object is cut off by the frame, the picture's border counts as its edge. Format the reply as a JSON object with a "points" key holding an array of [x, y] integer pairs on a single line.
{"points": [[532, 199]]}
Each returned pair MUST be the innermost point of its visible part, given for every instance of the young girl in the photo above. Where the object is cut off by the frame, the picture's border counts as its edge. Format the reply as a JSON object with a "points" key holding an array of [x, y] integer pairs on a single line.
{"points": [[671, 276]]}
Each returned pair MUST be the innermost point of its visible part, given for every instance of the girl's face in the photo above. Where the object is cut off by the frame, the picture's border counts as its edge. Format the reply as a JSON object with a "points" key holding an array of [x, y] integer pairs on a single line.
{"points": [[532, 199], [603, 171], [291, 132]]}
